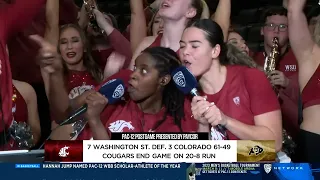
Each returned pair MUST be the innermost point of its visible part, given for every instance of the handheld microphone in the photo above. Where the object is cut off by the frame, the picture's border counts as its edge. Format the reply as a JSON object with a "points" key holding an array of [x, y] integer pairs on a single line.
{"points": [[187, 83], [113, 90]]}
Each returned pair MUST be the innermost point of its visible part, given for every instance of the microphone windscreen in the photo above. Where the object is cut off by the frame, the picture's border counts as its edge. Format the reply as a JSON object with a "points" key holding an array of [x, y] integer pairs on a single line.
{"points": [[113, 90], [184, 80]]}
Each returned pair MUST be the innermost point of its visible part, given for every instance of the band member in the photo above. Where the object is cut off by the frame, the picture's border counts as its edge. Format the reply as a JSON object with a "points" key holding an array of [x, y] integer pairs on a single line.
{"points": [[285, 77], [238, 98], [307, 53], [13, 17]]}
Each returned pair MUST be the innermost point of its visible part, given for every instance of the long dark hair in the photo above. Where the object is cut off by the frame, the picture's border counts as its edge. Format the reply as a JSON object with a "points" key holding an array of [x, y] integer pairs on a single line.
{"points": [[88, 61], [229, 55], [173, 100]]}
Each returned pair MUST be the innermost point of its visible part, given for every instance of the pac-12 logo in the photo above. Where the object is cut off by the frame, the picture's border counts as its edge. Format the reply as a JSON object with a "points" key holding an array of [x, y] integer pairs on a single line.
{"points": [[179, 79], [118, 93], [267, 168], [256, 150]]}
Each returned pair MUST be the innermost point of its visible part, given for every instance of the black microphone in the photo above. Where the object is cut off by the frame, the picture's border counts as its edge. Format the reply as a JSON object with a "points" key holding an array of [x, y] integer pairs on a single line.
{"points": [[113, 90], [187, 83]]}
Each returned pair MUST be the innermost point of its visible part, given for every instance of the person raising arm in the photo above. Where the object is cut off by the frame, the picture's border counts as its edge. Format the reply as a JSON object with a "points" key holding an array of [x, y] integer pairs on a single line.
{"points": [[307, 53]]}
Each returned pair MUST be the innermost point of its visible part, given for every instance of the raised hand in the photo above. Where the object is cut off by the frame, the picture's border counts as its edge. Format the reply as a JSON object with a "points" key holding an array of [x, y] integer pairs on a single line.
{"points": [[294, 5], [48, 57]]}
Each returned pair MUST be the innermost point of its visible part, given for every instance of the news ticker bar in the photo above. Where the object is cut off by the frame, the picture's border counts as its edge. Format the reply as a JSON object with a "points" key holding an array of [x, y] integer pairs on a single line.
{"points": [[203, 166], [155, 148]]}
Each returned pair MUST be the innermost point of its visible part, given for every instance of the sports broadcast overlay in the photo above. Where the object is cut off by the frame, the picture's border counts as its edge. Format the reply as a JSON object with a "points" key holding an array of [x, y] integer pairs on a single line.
{"points": [[159, 148], [148, 156]]}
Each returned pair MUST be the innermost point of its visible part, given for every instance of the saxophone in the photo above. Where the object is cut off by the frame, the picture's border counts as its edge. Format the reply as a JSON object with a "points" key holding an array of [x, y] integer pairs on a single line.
{"points": [[90, 6], [288, 145], [271, 60]]}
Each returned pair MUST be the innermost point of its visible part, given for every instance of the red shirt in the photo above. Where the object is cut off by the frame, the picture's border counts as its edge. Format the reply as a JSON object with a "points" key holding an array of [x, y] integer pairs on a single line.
{"points": [[126, 116], [311, 92], [13, 18], [79, 82], [289, 96], [246, 93], [287, 63], [119, 44], [23, 51]]}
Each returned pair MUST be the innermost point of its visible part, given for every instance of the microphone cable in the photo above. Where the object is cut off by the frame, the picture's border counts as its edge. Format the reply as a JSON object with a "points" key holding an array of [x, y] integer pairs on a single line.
{"points": [[59, 125]]}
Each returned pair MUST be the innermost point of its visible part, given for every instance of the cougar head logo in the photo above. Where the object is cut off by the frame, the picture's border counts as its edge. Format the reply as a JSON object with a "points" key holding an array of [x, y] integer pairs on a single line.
{"points": [[119, 125]]}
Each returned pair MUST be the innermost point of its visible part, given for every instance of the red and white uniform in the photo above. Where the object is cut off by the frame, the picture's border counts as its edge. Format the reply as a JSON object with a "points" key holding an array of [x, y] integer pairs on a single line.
{"points": [[125, 116]]}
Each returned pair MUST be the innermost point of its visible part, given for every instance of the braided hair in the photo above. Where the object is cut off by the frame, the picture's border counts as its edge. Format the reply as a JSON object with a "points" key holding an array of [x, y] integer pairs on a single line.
{"points": [[172, 98]]}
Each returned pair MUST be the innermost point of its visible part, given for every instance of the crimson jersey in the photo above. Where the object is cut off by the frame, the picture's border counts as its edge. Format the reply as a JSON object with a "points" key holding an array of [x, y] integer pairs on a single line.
{"points": [[311, 92], [245, 94], [288, 96], [125, 116], [287, 63], [79, 82]]}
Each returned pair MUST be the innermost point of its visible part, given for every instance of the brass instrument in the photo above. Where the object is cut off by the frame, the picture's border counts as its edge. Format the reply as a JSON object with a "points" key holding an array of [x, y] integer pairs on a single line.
{"points": [[90, 6], [271, 60], [288, 145]]}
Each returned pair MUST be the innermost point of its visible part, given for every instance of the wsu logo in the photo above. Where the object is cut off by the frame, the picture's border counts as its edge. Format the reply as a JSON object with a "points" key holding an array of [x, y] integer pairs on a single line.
{"points": [[76, 91], [63, 151], [118, 93], [291, 68], [119, 125], [179, 79]]}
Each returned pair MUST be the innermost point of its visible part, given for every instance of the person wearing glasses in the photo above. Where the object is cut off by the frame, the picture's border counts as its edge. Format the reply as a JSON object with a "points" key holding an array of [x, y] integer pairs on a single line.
{"points": [[285, 76]]}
